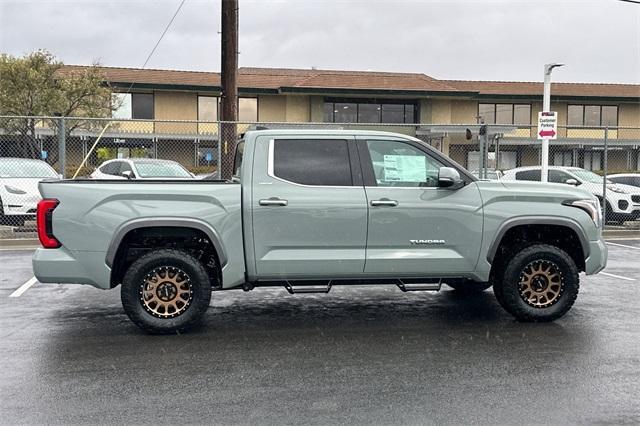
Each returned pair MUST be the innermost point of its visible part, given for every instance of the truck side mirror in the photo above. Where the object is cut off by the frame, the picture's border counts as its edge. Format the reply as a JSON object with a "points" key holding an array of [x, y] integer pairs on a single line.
{"points": [[573, 182], [127, 174], [448, 177]]}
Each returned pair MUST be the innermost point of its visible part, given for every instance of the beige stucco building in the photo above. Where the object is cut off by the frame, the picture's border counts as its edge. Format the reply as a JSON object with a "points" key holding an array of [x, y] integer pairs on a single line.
{"points": [[405, 102]]}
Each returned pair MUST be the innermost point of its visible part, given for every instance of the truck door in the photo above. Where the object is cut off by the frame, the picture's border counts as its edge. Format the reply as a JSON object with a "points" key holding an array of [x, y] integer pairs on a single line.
{"points": [[309, 207], [415, 228]]}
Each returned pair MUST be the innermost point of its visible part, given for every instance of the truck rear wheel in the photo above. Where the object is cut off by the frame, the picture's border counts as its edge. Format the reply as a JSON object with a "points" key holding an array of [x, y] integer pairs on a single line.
{"points": [[166, 291], [540, 283]]}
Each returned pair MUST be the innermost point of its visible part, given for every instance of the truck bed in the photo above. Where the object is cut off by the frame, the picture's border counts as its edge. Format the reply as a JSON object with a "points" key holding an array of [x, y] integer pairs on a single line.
{"points": [[93, 214]]}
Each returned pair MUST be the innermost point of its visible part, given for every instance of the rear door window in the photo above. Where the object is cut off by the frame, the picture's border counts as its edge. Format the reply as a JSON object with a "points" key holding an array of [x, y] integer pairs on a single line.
{"points": [[528, 175], [323, 162]]}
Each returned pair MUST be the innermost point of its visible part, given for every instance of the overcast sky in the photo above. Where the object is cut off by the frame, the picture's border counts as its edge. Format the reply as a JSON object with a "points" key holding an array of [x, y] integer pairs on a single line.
{"points": [[474, 40]]}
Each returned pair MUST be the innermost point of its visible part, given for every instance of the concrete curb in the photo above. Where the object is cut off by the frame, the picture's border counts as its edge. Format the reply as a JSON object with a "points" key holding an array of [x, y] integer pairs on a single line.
{"points": [[621, 233], [19, 243]]}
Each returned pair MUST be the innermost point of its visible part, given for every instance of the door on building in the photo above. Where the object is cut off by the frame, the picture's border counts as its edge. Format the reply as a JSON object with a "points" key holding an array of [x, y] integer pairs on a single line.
{"points": [[593, 160], [415, 228]]}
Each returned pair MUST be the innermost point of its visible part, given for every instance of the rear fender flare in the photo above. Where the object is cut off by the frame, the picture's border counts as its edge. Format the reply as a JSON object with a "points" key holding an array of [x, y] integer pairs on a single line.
{"points": [[160, 222]]}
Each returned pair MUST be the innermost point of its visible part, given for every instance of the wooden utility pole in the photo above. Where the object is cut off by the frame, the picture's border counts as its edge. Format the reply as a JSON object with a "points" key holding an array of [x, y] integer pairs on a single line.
{"points": [[229, 83]]}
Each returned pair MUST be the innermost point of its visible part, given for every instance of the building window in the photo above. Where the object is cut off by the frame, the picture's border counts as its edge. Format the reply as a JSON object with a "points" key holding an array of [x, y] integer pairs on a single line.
{"points": [[563, 158], [248, 109], [518, 114], [142, 106], [208, 108], [122, 103], [368, 111], [592, 115], [133, 105]]}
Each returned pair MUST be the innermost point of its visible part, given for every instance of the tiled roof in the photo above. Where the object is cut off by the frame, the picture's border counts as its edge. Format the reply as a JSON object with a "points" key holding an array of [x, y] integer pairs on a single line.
{"points": [[314, 80], [557, 89]]}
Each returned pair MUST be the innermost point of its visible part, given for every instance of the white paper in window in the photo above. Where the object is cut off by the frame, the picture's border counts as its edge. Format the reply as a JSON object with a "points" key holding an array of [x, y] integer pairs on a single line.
{"points": [[405, 168]]}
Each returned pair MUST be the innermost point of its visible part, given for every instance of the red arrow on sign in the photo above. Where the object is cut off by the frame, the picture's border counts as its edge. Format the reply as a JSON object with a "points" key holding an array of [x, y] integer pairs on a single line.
{"points": [[547, 133]]}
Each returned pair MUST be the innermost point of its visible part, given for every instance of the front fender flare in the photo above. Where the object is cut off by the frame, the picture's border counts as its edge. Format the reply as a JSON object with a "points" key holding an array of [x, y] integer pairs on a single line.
{"points": [[537, 220]]}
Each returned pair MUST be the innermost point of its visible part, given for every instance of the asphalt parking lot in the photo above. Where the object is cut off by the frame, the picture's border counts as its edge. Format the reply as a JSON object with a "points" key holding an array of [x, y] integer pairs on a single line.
{"points": [[357, 355]]}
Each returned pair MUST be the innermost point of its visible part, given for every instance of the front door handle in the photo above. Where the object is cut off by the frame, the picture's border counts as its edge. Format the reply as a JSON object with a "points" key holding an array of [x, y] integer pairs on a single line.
{"points": [[384, 202], [273, 201]]}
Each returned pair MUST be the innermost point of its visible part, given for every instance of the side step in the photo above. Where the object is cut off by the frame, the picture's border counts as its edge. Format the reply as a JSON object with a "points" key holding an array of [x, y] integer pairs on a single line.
{"points": [[299, 289], [411, 285]]}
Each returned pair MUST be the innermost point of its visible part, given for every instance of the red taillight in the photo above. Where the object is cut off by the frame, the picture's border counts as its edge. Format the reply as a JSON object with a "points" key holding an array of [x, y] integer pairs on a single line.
{"points": [[45, 224]]}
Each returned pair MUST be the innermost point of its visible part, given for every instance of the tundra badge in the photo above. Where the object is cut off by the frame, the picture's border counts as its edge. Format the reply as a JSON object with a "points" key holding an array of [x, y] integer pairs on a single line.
{"points": [[429, 242]]}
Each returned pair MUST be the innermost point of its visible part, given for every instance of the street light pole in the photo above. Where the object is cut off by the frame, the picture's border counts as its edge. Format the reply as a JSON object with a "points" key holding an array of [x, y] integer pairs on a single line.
{"points": [[546, 106]]}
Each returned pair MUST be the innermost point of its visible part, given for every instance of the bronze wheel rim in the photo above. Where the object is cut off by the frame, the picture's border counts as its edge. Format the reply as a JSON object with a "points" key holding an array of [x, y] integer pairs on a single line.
{"points": [[166, 292], [541, 283]]}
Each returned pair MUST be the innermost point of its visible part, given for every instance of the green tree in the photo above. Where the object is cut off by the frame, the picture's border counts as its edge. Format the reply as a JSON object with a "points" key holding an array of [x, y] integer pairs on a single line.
{"points": [[38, 84]]}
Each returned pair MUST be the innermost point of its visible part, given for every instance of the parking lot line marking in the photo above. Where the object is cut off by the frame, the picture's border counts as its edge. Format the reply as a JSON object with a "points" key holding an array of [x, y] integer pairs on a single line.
{"points": [[617, 276], [24, 287], [623, 245]]}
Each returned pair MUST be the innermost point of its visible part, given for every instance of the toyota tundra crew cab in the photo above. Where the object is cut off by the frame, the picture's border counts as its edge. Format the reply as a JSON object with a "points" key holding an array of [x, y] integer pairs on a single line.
{"points": [[309, 209]]}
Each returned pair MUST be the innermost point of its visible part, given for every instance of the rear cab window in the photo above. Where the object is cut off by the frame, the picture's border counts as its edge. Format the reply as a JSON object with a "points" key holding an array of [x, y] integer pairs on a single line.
{"points": [[317, 162]]}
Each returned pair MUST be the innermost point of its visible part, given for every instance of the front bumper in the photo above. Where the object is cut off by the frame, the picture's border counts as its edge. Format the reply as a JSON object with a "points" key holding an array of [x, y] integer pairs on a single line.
{"points": [[597, 259], [20, 205]]}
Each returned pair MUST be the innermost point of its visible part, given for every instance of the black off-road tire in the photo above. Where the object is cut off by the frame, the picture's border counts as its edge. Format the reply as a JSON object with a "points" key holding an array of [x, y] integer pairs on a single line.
{"points": [[542, 256], [468, 286], [155, 262]]}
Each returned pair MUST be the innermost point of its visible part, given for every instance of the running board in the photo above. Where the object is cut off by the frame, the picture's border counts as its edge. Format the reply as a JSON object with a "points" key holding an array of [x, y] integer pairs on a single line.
{"points": [[299, 289], [419, 286]]}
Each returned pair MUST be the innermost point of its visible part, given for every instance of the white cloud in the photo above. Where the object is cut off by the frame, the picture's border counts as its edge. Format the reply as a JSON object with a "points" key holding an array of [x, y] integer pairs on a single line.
{"points": [[505, 40]]}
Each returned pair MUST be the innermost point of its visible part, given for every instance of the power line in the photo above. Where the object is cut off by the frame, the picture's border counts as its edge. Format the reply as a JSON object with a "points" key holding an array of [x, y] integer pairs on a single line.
{"points": [[631, 1], [163, 33], [159, 40]]}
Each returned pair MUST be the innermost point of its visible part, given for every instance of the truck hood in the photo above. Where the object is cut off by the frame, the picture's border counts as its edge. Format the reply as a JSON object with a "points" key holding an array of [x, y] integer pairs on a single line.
{"points": [[525, 188]]}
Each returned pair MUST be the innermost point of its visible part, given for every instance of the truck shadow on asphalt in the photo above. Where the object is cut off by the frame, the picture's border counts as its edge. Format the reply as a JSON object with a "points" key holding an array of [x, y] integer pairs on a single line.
{"points": [[346, 312]]}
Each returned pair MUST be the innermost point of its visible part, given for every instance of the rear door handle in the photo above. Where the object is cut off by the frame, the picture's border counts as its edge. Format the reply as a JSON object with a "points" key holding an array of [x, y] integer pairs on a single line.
{"points": [[384, 202], [273, 201]]}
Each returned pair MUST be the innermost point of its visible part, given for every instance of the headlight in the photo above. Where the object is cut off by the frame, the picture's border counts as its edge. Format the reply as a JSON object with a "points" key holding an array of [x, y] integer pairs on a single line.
{"points": [[14, 190], [590, 206], [616, 189]]}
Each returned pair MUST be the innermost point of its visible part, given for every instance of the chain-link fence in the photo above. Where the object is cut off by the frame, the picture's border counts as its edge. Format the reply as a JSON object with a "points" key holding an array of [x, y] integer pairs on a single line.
{"points": [[604, 161]]}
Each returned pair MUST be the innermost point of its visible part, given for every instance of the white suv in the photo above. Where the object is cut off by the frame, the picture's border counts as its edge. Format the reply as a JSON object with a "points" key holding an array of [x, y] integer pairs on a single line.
{"points": [[619, 204]]}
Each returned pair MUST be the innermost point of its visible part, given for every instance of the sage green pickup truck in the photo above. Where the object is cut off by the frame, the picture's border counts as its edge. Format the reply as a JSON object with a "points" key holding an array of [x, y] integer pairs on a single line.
{"points": [[309, 209]]}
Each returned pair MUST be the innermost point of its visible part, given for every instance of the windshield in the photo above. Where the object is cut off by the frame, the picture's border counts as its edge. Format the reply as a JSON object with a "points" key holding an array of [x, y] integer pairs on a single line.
{"points": [[587, 176], [161, 170], [18, 168]]}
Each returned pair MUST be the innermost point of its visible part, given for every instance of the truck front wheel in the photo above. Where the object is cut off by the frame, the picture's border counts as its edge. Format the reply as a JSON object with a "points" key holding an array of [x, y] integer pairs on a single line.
{"points": [[540, 283], [166, 291]]}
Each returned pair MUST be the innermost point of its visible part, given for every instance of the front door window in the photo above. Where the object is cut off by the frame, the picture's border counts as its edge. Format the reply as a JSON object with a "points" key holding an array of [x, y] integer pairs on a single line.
{"points": [[397, 163]]}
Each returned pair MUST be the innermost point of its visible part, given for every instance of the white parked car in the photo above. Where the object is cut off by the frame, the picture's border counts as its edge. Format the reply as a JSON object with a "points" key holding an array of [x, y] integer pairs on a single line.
{"points": [[19, 195], [491, 174], [631, 179], [620, 205], [141, 168]]}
